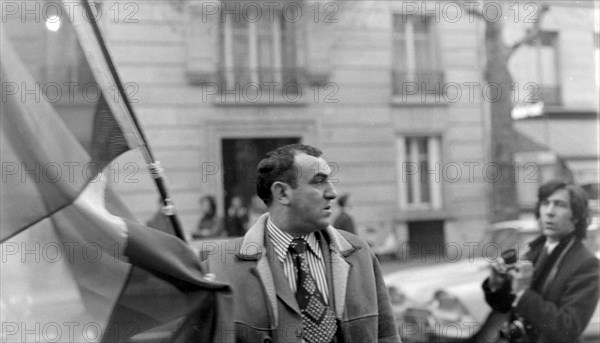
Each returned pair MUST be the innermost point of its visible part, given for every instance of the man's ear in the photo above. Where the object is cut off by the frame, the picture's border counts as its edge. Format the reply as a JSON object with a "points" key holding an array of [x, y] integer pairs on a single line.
{"points": [[281, 192]]}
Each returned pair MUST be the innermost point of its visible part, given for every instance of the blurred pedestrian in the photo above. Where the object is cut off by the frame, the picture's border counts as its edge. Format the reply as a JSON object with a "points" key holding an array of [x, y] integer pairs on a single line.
{"points": [[210, 224], [237, 217], [343, 220], [553, 301]]}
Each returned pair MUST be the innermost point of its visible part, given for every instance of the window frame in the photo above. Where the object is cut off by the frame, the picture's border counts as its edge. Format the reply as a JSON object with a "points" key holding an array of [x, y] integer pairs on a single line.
{"points": [[411, 184], [280, 73], [549, 94], [410, 72]]}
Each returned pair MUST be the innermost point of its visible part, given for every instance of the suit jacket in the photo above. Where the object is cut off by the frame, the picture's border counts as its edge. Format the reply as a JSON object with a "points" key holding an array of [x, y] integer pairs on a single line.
{"points": [[563, 293], [266, 309]]}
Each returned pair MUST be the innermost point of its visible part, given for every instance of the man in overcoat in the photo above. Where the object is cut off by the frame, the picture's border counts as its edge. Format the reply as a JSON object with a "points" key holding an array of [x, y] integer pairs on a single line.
{"points": [[294, 277], [553, 303]]}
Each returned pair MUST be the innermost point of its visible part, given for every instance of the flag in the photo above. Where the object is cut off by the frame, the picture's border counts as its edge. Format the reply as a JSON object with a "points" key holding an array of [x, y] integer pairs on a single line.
{"points": [[72, 271]]}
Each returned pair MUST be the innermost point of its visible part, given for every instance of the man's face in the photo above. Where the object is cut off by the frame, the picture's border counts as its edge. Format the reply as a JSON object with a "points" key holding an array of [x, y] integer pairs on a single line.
{"points": [[310, 201], [556, 217]]}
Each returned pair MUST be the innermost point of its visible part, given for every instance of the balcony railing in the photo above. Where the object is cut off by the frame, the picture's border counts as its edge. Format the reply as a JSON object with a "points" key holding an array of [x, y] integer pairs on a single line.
{"points": [[549, 95], [415, 82], [262, 76]]}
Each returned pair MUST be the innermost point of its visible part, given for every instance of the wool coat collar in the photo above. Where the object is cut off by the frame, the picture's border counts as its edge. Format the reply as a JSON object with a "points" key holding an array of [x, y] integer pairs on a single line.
{"points": [[254, 248]]}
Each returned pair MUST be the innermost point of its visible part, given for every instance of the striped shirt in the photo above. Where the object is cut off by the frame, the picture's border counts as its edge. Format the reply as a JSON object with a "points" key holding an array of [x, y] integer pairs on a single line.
{"points": [[314, 256]]}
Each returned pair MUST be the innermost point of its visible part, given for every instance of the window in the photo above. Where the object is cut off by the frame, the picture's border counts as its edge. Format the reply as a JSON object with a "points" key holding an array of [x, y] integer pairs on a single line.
{"points": [[257, 48], [546, 64], [415, 56], [419, 169]]}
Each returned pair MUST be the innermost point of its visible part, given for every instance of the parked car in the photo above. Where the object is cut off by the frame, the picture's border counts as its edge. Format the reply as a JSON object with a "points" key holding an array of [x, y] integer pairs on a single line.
{"points": [[444, 302]]}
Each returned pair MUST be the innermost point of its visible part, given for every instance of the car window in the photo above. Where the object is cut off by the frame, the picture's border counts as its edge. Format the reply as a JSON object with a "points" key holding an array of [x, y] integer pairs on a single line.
{"points": [[504, 239]]}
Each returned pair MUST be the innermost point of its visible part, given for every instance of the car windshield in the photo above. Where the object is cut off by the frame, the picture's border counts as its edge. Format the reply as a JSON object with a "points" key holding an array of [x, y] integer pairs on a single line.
{"points": [[499, 240]]}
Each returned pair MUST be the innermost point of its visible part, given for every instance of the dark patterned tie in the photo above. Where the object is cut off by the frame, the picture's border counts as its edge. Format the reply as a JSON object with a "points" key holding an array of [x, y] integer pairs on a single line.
{"points": [[318, 318]]}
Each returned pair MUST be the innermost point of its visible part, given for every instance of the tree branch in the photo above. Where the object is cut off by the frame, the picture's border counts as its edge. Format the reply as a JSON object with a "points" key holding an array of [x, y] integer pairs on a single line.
{"points": [[533, 32]]}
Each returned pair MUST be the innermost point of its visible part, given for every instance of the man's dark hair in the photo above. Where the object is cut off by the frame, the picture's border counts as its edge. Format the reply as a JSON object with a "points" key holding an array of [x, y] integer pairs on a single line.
{"points": [[279, 166], [577, 198]]}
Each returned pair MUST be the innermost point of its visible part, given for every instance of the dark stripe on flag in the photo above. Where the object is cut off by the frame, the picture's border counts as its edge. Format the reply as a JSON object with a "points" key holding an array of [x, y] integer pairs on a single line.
{"points": [[167, 297], [108, 140]]}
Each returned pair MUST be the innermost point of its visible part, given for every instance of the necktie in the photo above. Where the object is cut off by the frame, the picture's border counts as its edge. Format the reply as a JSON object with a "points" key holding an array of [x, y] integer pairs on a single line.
{"points": [[318, 318]]}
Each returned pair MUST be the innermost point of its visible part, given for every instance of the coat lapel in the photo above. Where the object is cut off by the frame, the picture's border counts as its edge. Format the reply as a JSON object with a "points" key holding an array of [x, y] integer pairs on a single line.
{"points": [[556, 265], [339, 249], [253, 248], [271, 274], [284, 292], [263, 272]]}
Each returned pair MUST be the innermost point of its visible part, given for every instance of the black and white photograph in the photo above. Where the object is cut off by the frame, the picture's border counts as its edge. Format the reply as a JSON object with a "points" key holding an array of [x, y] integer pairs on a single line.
{"points": [[306, 171]]}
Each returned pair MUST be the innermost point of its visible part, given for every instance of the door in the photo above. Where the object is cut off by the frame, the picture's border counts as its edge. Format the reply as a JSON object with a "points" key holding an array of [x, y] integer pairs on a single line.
{"points": [[426, 239], [240, 159]]}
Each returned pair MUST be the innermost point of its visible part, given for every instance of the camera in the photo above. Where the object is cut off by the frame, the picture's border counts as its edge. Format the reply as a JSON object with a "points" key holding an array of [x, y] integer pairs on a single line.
{"points": [[517, 330], [508, 261], [501, 269]]}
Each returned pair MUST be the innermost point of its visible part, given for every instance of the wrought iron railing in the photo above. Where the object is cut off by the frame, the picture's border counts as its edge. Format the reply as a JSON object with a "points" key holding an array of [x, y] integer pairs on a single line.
{"points": [[549, 95], [278, 78], [416, 82]]}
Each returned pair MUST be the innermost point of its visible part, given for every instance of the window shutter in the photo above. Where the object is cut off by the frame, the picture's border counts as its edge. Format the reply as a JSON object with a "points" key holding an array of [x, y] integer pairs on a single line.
{"points": [[201, 39]]}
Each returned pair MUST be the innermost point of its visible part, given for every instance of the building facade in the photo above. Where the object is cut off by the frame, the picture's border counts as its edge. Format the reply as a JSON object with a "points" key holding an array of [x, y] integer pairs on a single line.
{"points": [[391, 91], [220, 83], [557, 78]]}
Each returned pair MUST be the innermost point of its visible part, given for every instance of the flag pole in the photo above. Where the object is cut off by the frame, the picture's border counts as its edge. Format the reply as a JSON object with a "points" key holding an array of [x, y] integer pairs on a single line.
{"points": [[154, 167]]}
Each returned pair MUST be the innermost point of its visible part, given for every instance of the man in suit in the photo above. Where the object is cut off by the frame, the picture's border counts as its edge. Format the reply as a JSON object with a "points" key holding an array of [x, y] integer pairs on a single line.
{"points": [[556, 299], [344, 221], [294, 277]]}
